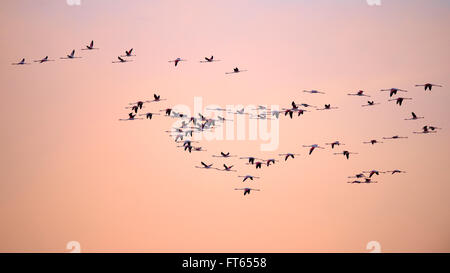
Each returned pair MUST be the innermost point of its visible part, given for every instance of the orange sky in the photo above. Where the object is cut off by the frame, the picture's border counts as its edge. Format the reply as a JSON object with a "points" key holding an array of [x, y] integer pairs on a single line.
{"points": [[70, 171]]}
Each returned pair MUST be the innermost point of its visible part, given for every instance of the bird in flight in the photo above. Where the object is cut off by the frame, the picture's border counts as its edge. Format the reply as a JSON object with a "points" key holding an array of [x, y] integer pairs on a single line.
{"points": [[128, 53], [222, 154], [121, 60], [393, 91], [313, 91], [287, 155], [228, 168], [131, 116], [335, 143], [149, 115], [428, 86], [235, 70], [427, 129], [373, 141], [246, 190], [345, 153], [400, 100], [328, 107], [394, 137], [251, 177], [370, 103], [71, 56], [360, 93], [396, 171], [414, 117], [22, 62], [372, 172], [43, 60], [209, 60], [205, 166], [177, 60], [90, 46], [358, 175], [313, 147]]}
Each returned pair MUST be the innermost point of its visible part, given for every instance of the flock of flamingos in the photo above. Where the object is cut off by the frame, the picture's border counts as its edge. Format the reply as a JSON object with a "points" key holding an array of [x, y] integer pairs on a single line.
{"points": [[196, 124]]}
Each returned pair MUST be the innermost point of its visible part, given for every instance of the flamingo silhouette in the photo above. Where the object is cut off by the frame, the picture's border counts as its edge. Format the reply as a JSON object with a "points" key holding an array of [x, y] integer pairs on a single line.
{"points": [[313, 91], [246, 190], [251, 177], [235, 70], [360, 93], [44, 60], [90, 46], [373, 141], [414, 117], [428, 86], [394, 137], [335, 143], [205, 166], [345, 153], [328, 107], [209, 60], [393, 91], [396, 171], [71, 56], [358, 175], [313, 147], [399, 101], [372, 172], [22, 62], [128, 53], [121, 60], [177, 60], [369, 103]]}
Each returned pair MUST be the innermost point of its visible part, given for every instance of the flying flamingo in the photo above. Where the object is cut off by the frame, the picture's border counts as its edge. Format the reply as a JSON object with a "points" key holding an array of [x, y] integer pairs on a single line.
{"points": [[428, 86], [287, 155], [177, 60], [131, 116], [235, 70], [396, 171], [228, 168], [426, 130], [358, 175], [414, 117], [222, 154], [205, 166], [369, 103], [399, 101], [90, 46], [246, 190], [345, 153], [251, 177], [251, 159], [335, 143], [313, 91], [373, 141], [22, 62], [258, 164], [71, 56], [121, 60], [45, 59], [312, 147], [328, 107], [360, 93], [209, 60], [372, 172], [149, 115], [394, 137], [393, 91], [271, 160], [128, 53], [368, 181]]}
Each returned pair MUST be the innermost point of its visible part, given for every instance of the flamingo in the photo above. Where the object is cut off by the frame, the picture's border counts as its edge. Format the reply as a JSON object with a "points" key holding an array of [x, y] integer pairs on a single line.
{"points": [[149, 115], [414, 117], [121, 60], [246, 190], [400, 100], [287, 155], [71, 55], [312, 147], [177, 60], [358, 175], [328, 107], [394, 137], [228, 168], [368, 181], [372, 172], [345, 153], [205, 166], [22, 62], [258, 164], [426, 130], [428, 86], [90, 46], [393, 91], [45, 59], [360, 93], [335, 143], [369, 103], [251, 177], [251, 159], [373, 141], [222, 154], [313, 91], [128, 53], [235, 70], [209, 60], [271, 160], [131, 116], [355, 182], [396, 171]]}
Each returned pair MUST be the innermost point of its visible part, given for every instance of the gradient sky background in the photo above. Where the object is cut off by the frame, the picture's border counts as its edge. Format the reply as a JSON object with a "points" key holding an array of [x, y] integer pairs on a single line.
{"points": [[70, 171]]}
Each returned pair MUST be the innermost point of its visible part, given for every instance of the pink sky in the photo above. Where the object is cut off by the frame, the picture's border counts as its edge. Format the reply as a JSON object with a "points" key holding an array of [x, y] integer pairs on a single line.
{"points": [[70, 171]]}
